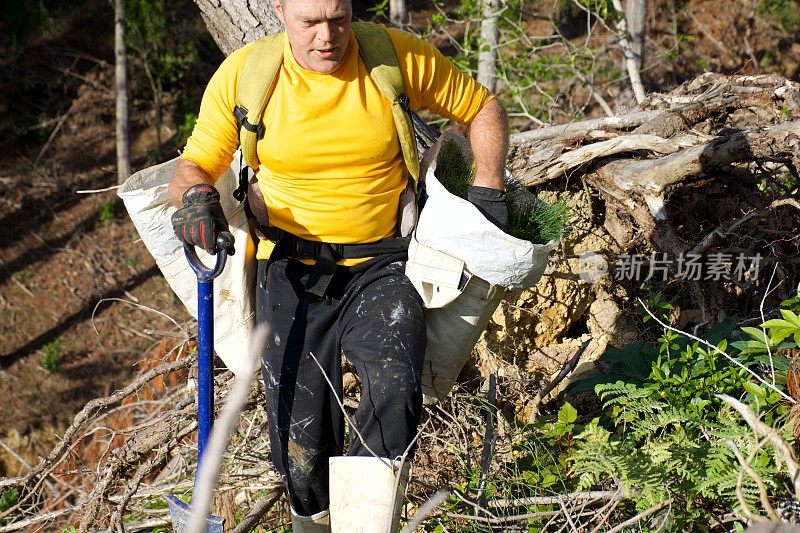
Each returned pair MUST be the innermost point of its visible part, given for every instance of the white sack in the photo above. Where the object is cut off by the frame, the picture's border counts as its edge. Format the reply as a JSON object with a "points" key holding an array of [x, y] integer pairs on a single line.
{"points": [[146, 198], [454, 226], [461, 264]]}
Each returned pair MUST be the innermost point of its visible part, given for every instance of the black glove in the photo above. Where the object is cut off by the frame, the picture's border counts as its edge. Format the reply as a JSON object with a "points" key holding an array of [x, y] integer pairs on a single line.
{"points": [[201, 221], [491, 203]]}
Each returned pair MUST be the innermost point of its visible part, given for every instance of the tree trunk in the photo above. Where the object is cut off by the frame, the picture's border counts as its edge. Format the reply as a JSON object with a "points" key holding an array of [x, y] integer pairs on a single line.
{"points": [[635, 15], [398, 13], [631, 35], [487, 57], [233, 23], [121, 80]]}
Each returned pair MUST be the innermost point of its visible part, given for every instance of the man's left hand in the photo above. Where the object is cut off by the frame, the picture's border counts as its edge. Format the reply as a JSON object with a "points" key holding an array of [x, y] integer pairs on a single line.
{"points": [[491, 203]]}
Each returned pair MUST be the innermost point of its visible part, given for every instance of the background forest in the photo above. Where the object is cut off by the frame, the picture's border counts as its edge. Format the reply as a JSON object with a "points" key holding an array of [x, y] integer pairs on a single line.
{"points": [[645, 399]]}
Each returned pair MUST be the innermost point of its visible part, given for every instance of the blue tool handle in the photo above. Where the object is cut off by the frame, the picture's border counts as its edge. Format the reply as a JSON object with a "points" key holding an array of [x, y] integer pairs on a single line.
{"points": [[204, 273], [205, 337], [205, 365]]}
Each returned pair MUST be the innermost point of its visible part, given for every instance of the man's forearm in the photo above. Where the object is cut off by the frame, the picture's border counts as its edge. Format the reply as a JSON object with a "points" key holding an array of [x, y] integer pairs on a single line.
{"points": [[186, 174], [488, 139]]}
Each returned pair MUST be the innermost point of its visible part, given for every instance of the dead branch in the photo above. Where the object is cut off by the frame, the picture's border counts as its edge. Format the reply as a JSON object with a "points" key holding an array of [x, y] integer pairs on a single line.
{"points": [[257, 512], [762, 489], [640, 516], [562, 374], [650, 178], [619, 122], [760, 428], [37, 475], [425, 510], [540, 168], [595, 495]]}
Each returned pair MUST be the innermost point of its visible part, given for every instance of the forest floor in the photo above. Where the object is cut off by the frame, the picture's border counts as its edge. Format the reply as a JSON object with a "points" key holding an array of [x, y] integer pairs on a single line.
{"points": [[78, 292]]}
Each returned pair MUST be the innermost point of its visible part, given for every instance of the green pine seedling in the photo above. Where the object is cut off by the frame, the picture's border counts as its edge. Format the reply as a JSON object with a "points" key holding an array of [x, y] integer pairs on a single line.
{"points": [[535, 220], [453, 171], [530, 218]]}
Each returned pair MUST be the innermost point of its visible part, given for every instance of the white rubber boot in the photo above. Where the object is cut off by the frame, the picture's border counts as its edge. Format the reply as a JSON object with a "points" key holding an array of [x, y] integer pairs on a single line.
{"points": [[366, 495], [317, 523]]}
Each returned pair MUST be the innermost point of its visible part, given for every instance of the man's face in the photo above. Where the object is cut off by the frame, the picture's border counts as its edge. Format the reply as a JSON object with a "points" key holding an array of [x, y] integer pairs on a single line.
{"points": [[318, 31]]}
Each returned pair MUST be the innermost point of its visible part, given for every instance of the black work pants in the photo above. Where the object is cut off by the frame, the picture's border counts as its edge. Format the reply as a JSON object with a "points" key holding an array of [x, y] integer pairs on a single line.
{"points": [[373, 315]]}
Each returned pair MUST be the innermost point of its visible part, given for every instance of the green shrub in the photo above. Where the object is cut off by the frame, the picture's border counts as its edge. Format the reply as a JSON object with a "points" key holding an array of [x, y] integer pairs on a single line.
{"points": [[784, 12], [105, 214], [51, 356], [8, 499], [664, 433]]}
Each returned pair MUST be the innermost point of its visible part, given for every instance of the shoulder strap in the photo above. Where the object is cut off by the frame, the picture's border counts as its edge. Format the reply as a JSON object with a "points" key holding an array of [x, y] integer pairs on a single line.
{"points": [[256, 81], [378, 54]]}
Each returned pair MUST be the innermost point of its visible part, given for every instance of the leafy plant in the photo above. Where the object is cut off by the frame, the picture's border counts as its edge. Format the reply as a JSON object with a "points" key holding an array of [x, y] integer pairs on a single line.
{"points": [[784, 12], [380, 9], [8, 499], [532, 71], [163, 59], [665, 434], [185, 128], [106, 214], [51, 356]]}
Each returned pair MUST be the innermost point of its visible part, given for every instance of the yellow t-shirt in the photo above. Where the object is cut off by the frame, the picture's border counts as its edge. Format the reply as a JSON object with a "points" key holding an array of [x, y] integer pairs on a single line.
{"points": [[331, 165]]}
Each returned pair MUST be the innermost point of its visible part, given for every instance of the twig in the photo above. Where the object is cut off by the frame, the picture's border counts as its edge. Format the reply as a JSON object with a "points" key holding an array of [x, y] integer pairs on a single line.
{"points": [[762, 489], [143, 470], [144, 525], [549, 500], [38, 519], [140, 306], [502, 519], [638, 517], [14, 454], [460, 496], [46, 466], [257, 511], [763, 319], [425, 510], [51, 137], [564, 510], [607, 509], [22, 460], [618, 122], [93, 191], [563, 373], [488, 438], [721, 352], [221, 435], [403, 458], [765, 431], [22, 286]]}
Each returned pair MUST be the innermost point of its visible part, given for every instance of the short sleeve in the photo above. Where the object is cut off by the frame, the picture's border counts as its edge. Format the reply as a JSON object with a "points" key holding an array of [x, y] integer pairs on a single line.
{"points": [[215, 136], [434, 83]]}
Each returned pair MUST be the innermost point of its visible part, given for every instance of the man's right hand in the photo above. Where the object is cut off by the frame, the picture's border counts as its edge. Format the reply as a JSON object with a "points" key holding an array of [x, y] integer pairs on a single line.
{"points": [[200, 221]]}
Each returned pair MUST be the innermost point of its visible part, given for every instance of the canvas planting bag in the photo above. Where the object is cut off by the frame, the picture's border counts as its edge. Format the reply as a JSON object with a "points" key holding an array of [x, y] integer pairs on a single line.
{"points": [[461, 264], [146, 198]]}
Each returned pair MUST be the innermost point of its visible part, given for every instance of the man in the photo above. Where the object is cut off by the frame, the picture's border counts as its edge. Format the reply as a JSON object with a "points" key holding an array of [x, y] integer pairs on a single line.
{"points": [[332, 172]]}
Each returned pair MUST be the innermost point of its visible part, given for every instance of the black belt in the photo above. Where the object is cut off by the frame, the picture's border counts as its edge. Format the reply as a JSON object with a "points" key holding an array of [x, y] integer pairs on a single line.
{"points": [[325, 254]]}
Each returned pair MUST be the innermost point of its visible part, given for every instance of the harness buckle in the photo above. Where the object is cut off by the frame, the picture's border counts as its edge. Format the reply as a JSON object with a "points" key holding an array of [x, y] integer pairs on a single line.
{"points": [[304, 249]]}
